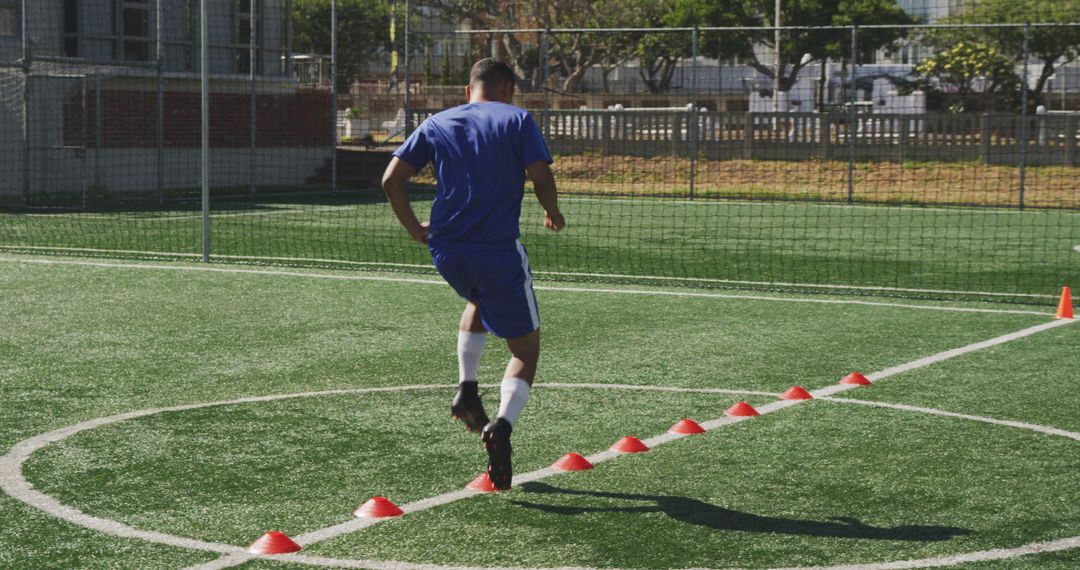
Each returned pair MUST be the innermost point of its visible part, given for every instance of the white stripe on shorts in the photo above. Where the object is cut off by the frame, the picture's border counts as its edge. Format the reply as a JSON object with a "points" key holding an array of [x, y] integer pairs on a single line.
{"points": [[529, 293]]}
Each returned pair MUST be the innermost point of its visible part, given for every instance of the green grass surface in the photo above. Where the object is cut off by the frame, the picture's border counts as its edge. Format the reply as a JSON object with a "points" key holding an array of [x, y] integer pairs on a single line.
{"points": [[82, 342], [993, 250]]}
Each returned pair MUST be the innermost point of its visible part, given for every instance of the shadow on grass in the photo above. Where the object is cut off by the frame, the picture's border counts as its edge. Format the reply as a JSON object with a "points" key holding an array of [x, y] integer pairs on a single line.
{"points": [[692, 511]]}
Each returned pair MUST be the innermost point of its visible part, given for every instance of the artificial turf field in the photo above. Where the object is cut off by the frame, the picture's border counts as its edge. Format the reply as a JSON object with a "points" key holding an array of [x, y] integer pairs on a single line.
{"points": [[821, 483], [996, 250]]}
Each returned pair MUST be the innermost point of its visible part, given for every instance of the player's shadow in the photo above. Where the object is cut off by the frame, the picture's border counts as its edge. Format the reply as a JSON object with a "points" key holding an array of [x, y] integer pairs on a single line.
{"points": [[692, 511]]}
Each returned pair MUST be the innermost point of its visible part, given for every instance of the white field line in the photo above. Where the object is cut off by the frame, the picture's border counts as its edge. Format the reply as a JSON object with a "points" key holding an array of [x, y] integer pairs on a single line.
{"points": [[198, 256], [934, 209], [867, 288], [569, 197], [15, 485], [144, 217], [787, 284], [613, 291], [355, 524], [932, 411], [937, 562], [275, 211]]}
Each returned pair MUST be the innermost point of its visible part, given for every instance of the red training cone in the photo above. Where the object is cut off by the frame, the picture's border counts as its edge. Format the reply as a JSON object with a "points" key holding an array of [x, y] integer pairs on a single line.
{"points": [[741, 409], [855, 379], [796, 393], [1065, 308], [686, 426], [482, 483], [629, 444], [274, 542], [572, 462], [377, 508]]}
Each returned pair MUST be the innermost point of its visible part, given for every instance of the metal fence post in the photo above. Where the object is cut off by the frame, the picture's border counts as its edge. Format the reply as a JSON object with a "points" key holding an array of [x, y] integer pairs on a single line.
{"points": [[902, 133], [98, 101], [288, 72], [333, 98], [984, 139], [160, 134], [693, 114], [204, 58], [1070, 140], [825, 135], [675, 132], [408, 100], [605, 132], [27, 65], [748, 136], [253, 40], [851, 127], [83, 128], [543, 62], [1024, 115]]}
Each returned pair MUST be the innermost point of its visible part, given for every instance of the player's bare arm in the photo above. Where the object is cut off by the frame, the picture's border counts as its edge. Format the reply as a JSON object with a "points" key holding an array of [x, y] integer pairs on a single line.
{"points": [[394, 181], [544, 186]]}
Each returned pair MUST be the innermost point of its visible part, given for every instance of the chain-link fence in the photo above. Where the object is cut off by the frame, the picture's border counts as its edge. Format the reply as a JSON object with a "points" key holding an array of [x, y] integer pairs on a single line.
{"points": [[922, 157]]}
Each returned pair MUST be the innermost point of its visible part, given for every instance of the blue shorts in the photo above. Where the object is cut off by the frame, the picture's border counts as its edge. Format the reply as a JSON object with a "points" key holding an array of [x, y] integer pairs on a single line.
{"points": [[498, 279]]}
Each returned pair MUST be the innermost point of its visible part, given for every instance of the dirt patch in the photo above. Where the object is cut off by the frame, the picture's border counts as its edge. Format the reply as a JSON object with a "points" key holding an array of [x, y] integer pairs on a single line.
{"points": [[934, 183]]}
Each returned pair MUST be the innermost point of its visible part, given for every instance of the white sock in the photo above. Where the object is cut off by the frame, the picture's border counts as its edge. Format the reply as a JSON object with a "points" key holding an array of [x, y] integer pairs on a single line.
{"points": [[515, 394], [470, 345]]}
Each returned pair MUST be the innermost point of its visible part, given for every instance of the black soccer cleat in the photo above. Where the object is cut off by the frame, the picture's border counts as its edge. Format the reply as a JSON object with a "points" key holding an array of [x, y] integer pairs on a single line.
{"points": [[496, 439], [468, 408]]}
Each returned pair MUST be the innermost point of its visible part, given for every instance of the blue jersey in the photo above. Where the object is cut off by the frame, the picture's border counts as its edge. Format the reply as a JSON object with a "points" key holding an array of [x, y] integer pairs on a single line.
{"points": [[479, 152]]}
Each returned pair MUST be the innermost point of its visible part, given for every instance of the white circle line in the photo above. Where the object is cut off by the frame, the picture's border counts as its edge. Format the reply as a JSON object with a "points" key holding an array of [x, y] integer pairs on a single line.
{"points": [[235, 555], [15, 485], [933, 562]]}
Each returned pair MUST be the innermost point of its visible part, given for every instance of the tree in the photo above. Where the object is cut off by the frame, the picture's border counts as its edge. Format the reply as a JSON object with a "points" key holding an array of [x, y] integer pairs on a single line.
{"points": [[572, 54], [971, 71], [1053, 46], [569, 55], [659, 53], [363, 31], [485, 14], [795, 44], [444, 69], [426, 70]]}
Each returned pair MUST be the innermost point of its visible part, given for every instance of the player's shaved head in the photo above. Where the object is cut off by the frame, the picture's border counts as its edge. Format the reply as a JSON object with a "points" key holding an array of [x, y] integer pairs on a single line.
{"points": [[491, 74]]}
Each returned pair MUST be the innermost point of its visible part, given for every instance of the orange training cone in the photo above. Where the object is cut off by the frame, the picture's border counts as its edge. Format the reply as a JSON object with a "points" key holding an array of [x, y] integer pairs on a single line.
{"points": [[1065, 308], [629, 444], [686, 427], [796, 393], [274, 542], [482, 483], [855, 379], [741, 409], [377, 508], [572, 462]]}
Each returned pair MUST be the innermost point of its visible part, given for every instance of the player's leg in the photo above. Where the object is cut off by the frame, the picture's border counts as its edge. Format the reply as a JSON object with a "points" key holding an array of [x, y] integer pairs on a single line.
{"points": [[472, 336], [509, 311], [520, 372], [466, 406]]}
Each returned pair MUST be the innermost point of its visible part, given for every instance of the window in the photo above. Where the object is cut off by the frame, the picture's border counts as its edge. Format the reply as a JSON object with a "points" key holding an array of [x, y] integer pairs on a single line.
{"points": [[131, 19], [71, 28], [249, 16], [181, 52], [9, 19]]}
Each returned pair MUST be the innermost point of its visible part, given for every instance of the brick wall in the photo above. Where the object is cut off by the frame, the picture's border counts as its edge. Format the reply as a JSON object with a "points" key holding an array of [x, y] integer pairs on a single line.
{"points": [[129, 119]]}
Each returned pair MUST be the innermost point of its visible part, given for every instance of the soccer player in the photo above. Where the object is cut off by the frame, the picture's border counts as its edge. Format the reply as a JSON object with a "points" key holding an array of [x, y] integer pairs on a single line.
{"points": [[481, 152]]}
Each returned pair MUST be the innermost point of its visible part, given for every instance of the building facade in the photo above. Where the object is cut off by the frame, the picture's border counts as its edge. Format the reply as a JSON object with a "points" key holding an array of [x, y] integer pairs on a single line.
{"points": [[103, 97]]}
